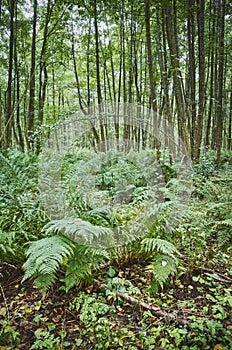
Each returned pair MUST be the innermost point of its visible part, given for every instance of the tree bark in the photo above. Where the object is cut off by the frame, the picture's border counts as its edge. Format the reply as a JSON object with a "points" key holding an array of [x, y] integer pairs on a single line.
{"points": [[9, 104], [43, 76], [201, 60], [229, 139], [19, 136], [212, 78], [191, 86], [177, 85], [219, 109], [31, 109], [76, 76], [150, 56], [98, 79]]}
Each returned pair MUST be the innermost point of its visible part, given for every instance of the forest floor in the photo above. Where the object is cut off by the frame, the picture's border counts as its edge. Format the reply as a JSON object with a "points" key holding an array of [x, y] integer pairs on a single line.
{"points": [[122, 308], [193, 312]]}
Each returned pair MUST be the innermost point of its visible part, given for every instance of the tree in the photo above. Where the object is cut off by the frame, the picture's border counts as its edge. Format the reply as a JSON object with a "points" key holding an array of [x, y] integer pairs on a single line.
{"points": [[177, 84], [201, 93], [219, 109], [9, 103], [31, 109]]}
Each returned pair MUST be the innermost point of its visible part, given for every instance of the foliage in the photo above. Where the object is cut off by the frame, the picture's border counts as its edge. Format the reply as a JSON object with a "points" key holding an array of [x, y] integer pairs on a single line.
{"points": [[164, 261], [80, 231], [187, 255], [45, 257], [22, 216]]}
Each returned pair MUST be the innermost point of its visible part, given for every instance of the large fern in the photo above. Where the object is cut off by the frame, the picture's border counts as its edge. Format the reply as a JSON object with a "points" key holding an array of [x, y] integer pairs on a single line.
{"points": [[45, 256], [80, 265], [221, 216], [164, 258], [21, 212], [163, 266], [70, 248], [81, 231]]}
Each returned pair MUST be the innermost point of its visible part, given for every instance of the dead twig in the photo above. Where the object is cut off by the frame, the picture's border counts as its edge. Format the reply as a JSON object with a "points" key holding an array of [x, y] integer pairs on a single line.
{"points": [[222, 277], [156, 311]]}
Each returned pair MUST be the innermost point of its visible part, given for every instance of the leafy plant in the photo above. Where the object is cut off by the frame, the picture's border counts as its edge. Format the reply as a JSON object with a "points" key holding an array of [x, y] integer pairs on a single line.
{"points": [[164, 258], [21, 213], [47, 255], [221, 218]]}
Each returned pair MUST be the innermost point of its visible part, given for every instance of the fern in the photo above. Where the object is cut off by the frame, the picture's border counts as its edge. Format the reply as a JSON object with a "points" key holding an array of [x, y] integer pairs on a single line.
{"points": [[6, 244], [81, 231], [151, 245], [81, 265], [164, 261], [224, 231], [162, 267], [45, 256], [221, 214]]}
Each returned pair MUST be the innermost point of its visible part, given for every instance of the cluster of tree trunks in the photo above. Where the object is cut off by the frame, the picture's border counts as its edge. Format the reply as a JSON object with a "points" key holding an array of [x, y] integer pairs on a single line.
{"points": [[171, 57]]}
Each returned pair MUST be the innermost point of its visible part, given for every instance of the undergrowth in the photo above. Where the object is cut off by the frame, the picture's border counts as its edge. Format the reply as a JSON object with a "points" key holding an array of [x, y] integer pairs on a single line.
{"points": [[75, 251]]}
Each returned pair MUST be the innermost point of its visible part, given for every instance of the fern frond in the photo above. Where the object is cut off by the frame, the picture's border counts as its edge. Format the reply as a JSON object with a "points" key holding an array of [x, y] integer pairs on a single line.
{"points": [[81, 231], [162, 267], [99, 215], [81, 264], [151, 245], [6, 239], [45, 256]]}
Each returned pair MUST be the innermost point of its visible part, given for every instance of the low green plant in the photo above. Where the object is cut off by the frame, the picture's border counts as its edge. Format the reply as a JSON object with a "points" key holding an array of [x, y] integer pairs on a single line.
{"points": [[21, 213], [46, 340], [47, 255], [164, 259]]}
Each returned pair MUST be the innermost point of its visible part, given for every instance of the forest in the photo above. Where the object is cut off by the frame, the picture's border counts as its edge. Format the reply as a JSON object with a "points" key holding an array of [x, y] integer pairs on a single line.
{"points": [[115, 174]]}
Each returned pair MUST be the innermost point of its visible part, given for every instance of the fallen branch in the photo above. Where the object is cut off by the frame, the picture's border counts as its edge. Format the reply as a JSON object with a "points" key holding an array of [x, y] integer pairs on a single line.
{"points": [[223, 278], [156, 311]]}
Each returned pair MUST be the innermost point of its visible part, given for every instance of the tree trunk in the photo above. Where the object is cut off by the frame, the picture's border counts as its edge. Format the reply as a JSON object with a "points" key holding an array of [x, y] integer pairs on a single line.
{"points": [[201, 59], [42, 63], [212, 77], [150, 56], [229, 140], [98, 79], [177, 85], [31, 109], [219, 109], [76, 76], [9, 104], [191, 87], [19, 137]]}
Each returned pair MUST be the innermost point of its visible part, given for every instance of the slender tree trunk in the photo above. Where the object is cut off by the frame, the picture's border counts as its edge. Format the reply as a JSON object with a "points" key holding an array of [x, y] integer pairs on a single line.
{"points": [[201, 58], [31, 109], [88, 68], [76, 76], [98, 79], [219, 110], [191, 88], [212, 77], [151, 79], [19, 137], [9, 104], [163, 67], [42, 63], [150, 56], [229, 140], [177, 85]]}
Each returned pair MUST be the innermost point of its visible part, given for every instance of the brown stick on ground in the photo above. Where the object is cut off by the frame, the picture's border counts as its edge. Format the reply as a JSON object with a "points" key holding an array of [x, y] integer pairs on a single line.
{"points": [[154, 310]]}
